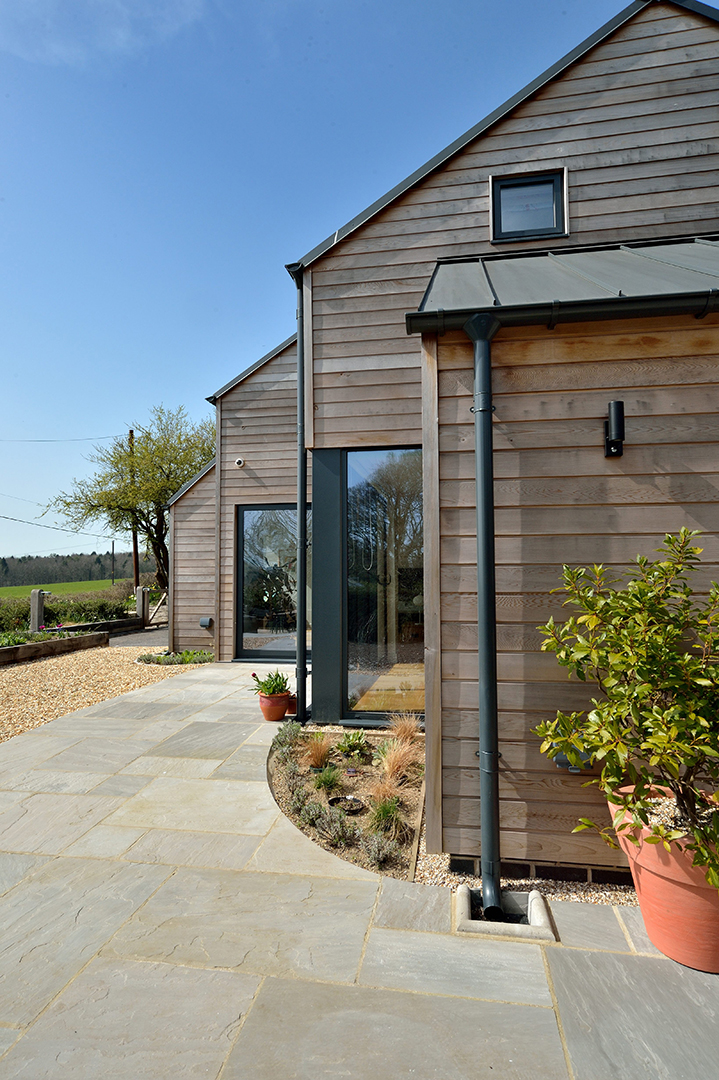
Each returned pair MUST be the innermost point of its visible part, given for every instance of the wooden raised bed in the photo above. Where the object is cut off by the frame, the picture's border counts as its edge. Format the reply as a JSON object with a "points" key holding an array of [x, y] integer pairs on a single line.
{"points": [[35, 650]]}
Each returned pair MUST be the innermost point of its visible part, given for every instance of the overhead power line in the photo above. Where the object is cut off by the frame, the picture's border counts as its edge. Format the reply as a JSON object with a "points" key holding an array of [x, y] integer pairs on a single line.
{"points": [[19, 498], [56, 528], [98, 438]]}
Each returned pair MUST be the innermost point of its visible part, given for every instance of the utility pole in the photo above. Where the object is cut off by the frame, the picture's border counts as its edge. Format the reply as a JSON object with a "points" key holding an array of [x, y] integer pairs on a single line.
{"points": [[135, 557]]}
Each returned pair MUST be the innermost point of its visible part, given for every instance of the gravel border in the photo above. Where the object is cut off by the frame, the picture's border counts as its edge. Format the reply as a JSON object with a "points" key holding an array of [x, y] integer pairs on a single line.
{"points": [[34, 692]]}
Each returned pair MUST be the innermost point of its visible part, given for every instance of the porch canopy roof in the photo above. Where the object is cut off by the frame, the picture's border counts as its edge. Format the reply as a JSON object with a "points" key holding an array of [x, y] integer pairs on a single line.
{"points": [[622, 281]]}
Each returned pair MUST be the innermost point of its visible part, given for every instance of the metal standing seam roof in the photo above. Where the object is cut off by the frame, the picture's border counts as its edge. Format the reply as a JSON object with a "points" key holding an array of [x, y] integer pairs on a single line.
{"points": [[492, 118], [543, 287], [190, 483]]}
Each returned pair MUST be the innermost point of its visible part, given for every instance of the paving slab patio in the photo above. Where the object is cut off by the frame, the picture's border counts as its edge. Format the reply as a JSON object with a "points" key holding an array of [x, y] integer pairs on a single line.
{"points": [[160, 918]]}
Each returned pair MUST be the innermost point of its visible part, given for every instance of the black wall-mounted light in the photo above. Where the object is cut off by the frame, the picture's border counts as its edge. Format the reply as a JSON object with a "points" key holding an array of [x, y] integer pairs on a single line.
{"points": [[614, 430]]}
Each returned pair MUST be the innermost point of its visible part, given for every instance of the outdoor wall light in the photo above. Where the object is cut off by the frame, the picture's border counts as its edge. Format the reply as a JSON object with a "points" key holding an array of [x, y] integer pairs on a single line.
{"points": [[240, 462], [614, 430]]}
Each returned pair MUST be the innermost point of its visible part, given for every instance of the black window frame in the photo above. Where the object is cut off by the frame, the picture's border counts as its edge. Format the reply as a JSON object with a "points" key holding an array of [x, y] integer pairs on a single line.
{"points": [[242, 654], [497, 184]]}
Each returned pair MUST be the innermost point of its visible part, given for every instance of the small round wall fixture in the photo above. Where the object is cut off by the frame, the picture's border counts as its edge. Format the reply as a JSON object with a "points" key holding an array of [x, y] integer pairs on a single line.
{"points": [[239, 462]]}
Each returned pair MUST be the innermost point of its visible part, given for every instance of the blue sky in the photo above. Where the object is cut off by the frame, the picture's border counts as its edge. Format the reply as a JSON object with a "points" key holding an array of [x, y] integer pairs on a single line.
{"points": [[163, 159]]}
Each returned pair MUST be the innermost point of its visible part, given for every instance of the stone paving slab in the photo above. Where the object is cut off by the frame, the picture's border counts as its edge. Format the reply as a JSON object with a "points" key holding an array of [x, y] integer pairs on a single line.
{"points": [[218, 851], [100, 755], [285, 850], [103, 842], [439, 964], [48, 823], [13, 868], [122, 785], [632, 919], [7, 1037], [406, 905], [90, 727], [247, 763], [187, 768], [54, 921], [168, 802], [204, 740], [307, 1031], [635, 1017], [589, 926], [266, 924], [145, 1021], [67, 783]]}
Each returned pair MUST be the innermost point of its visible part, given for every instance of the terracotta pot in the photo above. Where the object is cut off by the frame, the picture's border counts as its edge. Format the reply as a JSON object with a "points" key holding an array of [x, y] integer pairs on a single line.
{"points": [[292, 705], [274, 706], [680, 910]]}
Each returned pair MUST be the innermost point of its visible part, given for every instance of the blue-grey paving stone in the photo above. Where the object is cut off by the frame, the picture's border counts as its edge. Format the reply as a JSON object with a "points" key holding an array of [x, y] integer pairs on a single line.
{"points": [[438, 964], [636, 1018], [27, 751], [220, 851], [406, 905], [125, 1021], [247, 763], [54, 921], [45, 824], [97, 755], [588, 926], [266, 924], [304, 1031], [129, 707], [632, 919], [13, 868], [8, 1036], [206, 740], [84, 727], [50, 780], [123, 785]]}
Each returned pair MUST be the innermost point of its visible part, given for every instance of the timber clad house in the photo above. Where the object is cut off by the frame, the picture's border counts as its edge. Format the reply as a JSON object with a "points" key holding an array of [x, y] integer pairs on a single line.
{"points": [[459, 344]]}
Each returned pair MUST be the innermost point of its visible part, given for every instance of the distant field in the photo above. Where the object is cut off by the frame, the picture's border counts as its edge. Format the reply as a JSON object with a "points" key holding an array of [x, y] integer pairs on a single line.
{"points": [[60, 588]]}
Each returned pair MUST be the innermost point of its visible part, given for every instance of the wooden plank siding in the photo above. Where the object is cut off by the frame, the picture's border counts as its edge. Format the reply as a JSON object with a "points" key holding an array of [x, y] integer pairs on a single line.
{"points": [[560, 500], [635, 123], [192, 575], [258, 422]]}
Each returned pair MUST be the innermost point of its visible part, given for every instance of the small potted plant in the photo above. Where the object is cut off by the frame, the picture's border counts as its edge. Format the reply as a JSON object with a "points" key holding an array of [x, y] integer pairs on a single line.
{"points": [[274, 694], [652, 648]]}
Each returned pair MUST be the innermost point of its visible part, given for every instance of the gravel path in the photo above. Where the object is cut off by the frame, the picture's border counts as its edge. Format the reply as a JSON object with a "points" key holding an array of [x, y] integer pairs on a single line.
{"points": [[40, 690]]}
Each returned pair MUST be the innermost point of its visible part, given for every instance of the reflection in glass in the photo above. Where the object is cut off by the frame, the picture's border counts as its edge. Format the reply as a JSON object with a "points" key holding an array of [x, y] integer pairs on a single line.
{"points": [[527, 207], [269, 580], [385, 605]]}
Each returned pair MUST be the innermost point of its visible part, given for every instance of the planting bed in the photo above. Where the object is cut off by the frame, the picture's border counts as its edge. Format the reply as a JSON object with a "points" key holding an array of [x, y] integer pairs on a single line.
{"points": [[381, 835]]}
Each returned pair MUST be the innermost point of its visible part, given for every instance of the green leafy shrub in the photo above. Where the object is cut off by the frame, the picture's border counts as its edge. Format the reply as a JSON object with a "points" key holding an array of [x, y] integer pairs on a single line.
{"points": [[353, 743], [379, 849], [311, 813], [298, 799], [189, 656], [334, 825], [652, 648], [15, 614], [22, 637], [328, 780]]}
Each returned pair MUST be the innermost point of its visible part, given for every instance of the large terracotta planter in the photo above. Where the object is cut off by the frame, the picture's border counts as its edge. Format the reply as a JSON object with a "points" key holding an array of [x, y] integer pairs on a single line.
{"points": [[680, 910], [274, 706]]}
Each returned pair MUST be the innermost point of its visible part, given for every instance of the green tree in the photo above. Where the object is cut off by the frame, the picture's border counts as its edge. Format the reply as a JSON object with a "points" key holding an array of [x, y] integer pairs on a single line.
{"points": [[134, 482]]}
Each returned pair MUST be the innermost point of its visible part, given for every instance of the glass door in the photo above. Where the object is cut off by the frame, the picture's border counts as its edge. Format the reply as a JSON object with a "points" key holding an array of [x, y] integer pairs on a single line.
{"points": [[384, 601]]}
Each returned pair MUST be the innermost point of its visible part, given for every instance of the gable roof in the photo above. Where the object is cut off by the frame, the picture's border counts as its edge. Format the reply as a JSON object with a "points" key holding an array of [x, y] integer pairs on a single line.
{"points": [[498, 114], [250, 370], [190, 483]]}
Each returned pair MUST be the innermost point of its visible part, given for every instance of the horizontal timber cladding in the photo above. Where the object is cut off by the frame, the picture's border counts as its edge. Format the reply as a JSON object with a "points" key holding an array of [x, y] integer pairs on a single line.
{"points": [[258, 423], [634, 122], [559, 500], [193, 523]]}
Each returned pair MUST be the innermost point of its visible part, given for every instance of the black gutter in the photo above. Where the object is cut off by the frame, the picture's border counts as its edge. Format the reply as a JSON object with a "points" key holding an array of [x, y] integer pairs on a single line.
{"points": [[295, 271], [481, 329], [697, 303]]}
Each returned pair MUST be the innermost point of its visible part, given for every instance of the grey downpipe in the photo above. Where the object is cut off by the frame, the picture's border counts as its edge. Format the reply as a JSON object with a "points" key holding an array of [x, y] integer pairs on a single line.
{"points": [[295, 271], [481, 329]]}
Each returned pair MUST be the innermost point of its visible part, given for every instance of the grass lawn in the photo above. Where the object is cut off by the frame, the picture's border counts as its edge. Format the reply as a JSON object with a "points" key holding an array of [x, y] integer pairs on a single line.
{"points": [[61, 588]]}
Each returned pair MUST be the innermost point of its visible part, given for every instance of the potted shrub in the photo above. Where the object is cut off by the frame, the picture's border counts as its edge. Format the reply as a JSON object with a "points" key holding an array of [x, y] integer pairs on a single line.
{"points": [[274, 694], [652, 647]]}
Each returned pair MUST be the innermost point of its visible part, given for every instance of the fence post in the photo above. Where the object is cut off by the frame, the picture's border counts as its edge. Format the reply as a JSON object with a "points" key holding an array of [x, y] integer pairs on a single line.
{"points": [[37, 610], [142, 604]]}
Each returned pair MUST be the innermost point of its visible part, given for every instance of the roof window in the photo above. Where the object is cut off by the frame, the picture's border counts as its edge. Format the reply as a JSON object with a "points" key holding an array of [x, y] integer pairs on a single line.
{"points": [[528, 207]]}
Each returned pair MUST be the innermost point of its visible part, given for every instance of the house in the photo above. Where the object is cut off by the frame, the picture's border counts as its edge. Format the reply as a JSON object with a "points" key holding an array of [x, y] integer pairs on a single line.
{"points": [[566, 251]]}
